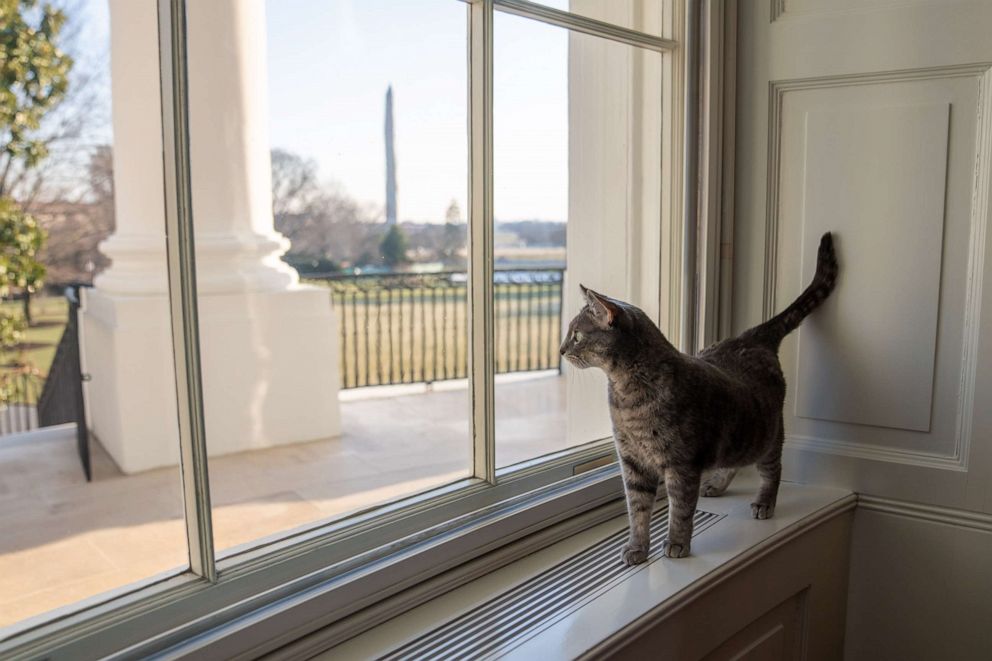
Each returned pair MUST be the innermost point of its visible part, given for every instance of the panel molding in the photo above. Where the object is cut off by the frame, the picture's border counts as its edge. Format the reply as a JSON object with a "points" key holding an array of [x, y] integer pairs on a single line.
{"points": [[982, 177], [849, 169], [777, 9], [872, 452], [948, 516], [780, 8], [976, 268]]}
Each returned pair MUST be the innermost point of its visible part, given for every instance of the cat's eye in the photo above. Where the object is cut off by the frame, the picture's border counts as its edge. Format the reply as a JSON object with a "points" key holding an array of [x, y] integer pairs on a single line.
{"points": [[576, 337]]}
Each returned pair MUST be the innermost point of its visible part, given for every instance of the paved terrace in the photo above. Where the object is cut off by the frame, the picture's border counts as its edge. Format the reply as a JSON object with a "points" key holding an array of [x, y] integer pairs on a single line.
{"points": [[63, 539]]}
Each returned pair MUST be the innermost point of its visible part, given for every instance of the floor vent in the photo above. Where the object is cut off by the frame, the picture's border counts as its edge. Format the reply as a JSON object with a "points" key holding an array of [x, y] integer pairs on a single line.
{"points": [[509, 618]]}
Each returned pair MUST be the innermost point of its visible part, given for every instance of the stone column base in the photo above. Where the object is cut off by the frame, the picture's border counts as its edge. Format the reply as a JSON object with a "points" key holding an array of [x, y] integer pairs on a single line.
{"points": [[270, 372]]}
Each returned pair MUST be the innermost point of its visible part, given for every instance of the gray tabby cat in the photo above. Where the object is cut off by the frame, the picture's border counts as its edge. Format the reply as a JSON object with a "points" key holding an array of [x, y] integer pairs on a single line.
{"points": [[675, 416]]}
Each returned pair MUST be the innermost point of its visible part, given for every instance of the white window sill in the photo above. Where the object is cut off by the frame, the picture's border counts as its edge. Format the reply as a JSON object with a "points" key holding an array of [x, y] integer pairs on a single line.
{"points": [[659, 585]]}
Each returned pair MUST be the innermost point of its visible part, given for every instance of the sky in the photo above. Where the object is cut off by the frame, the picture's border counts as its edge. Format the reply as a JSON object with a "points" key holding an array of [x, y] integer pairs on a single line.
{"points": [[329, 65]]}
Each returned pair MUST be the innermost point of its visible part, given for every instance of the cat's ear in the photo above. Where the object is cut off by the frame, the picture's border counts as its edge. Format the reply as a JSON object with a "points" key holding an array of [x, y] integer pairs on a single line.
{"points": [[603, 309]]}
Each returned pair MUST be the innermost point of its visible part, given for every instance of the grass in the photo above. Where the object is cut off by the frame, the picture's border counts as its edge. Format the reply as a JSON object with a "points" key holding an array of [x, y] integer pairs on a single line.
{"points": [[38, 342]]}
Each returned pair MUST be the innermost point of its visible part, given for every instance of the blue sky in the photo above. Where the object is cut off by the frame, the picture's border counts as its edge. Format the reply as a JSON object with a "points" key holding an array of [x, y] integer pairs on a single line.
{"points": [[329, 63]]}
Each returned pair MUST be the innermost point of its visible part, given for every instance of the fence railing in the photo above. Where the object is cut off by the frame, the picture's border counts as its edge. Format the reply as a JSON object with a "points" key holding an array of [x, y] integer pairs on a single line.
{"points": [[412, 327], [61, 399], [18, 413]]}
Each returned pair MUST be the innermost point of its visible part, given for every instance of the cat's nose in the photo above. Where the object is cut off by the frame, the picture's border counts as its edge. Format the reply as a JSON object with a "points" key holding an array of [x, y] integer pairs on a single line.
{"points": [[561, 349]]}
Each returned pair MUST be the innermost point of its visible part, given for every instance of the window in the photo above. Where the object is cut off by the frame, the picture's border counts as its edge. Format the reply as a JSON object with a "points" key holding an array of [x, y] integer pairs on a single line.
{"points": [[577, 128], [376, 218], [339, 383]]}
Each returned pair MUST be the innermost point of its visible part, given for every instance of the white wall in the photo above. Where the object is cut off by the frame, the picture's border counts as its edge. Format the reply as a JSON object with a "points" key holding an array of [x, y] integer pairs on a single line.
{"points": [[919, 588], [875, 121]]}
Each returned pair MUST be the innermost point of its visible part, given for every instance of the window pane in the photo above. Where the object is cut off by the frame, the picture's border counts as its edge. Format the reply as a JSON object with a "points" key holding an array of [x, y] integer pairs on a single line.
{"points": [[641, 15], [329, 151], [577, 198], [98, 196]]}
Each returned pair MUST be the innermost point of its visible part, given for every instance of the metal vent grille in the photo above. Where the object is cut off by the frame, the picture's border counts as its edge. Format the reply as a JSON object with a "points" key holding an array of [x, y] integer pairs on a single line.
{"points": [[513, 616]]}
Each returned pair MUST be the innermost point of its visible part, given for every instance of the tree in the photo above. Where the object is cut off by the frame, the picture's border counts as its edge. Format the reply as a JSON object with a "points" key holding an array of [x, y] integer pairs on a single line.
{"points": [[34, 78], [20, 240], [452, 241], [295, 187], [75, 229], [322, 223], [71, 129], [393, 246]]}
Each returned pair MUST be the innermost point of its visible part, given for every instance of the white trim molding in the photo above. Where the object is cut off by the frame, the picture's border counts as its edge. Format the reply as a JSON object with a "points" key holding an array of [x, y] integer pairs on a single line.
{"points": [[947, 516], [780, 8], [873, 452]]}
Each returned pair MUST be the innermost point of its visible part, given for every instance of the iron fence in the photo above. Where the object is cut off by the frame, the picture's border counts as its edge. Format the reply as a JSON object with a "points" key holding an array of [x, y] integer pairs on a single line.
{"points": [[412, 327], [21, 390]]}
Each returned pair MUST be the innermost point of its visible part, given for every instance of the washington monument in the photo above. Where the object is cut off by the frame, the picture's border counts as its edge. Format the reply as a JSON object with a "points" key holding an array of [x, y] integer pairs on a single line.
{"points": [[390, 161]]}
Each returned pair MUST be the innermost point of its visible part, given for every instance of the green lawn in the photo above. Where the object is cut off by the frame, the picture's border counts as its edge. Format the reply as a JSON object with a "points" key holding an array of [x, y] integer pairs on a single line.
{"points": [[39, 341]]}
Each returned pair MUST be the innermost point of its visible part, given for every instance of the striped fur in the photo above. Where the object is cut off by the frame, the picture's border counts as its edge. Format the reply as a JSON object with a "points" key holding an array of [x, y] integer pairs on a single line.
{"points": [[677, 416]]}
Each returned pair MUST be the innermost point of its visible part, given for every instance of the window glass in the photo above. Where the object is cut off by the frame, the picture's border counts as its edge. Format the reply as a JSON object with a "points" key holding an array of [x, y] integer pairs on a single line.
{"points": [[329, 169], [577, 180], [86, 513]]}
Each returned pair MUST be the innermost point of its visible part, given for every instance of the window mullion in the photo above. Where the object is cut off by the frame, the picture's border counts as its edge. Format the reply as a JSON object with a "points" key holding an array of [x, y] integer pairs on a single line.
{"points": [[182, 287], [584, 24], [481, 312]]}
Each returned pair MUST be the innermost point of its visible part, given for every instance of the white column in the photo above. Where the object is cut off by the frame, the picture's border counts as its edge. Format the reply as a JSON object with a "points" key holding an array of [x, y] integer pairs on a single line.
{"points": [[137, 247], [229, 149], [268, 343]]}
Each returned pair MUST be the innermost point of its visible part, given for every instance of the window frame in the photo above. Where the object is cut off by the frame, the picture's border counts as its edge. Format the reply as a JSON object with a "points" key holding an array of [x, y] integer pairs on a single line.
{"points": [[294, 579]]}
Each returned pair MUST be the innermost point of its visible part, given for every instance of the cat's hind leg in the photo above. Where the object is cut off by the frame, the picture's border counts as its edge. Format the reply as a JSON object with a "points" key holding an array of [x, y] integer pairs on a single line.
{"points": [[770, 470], [682, 484], [716, 482]]}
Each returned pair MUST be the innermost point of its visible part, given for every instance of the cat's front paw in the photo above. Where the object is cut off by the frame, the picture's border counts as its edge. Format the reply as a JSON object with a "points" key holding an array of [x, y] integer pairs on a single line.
{"points": [[762, 510], [673, 550], [633, 555]]}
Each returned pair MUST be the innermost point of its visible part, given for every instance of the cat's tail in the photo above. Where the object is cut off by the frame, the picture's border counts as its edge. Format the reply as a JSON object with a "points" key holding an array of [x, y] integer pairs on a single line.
{"points": [[775, 329]]}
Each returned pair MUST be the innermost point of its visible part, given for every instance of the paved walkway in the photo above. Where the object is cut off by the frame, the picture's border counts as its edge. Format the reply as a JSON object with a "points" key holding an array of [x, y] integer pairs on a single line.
{"points": [[63, 539]]}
